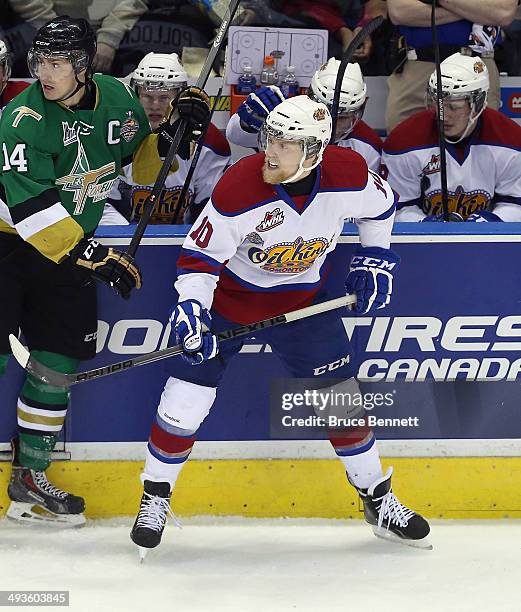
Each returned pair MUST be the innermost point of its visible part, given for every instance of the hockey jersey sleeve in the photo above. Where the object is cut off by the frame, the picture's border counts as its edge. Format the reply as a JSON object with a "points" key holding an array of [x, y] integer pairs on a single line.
{"points": [[365, 141], [214, 240], [28, 177], [135, 130], [215, 156], [373, 159], [507, 197], [404, 177], [379, 206], [237, 136]]}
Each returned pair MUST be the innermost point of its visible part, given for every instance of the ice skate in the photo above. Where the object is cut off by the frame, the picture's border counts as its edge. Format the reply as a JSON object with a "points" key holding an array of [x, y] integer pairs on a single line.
{"points": [[35, 500], [389, 518], [151, 519]]}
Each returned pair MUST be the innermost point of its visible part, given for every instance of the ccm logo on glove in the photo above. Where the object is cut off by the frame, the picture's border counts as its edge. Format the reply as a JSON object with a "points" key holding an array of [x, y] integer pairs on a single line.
{"points": [[371, 277], [107, 265], [372, 262]]}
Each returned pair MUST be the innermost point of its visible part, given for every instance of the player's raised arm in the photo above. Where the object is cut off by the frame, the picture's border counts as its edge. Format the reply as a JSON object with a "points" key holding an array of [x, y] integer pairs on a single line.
{"points": [[244, 125]]}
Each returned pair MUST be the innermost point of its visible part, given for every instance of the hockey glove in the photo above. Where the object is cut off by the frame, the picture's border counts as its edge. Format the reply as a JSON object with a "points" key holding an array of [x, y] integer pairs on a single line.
{"points": [[483, 216], [193, 105], [107, 265], [191, 323], [371, 277], [254, 110]]}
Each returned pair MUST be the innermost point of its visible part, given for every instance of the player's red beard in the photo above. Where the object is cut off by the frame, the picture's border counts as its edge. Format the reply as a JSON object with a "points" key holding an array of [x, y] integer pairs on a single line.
{"points": [[273, 176]]}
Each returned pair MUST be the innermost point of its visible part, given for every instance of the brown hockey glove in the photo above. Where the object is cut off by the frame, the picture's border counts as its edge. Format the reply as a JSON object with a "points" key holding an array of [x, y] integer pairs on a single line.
{"points": [[107, 265], [193, 105]]}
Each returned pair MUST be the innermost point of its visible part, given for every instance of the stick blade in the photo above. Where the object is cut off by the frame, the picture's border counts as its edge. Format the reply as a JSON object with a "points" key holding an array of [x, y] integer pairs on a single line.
{"points": [[37, 369], [21, 354]]}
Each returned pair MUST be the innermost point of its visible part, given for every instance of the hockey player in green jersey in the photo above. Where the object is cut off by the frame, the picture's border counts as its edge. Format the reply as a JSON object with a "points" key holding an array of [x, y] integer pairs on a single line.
{"points": [[64, 142]]}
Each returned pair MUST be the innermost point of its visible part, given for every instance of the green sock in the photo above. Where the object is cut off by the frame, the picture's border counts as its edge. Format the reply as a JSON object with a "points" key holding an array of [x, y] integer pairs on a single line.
{"points": [[34, 450], [3, 362], [43, 393]]}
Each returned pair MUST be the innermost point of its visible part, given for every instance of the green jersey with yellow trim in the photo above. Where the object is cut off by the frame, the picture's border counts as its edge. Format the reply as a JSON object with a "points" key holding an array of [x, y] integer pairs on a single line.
{"points": [[59, 165]]}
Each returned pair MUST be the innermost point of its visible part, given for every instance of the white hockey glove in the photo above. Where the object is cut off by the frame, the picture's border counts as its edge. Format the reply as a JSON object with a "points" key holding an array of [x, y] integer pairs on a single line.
{"points": [[191, 323]]}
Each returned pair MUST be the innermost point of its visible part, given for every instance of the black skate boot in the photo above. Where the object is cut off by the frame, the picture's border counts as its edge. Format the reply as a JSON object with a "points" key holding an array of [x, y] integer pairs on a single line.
{"points": [[35, 500], [151, 518], [389, 518]]}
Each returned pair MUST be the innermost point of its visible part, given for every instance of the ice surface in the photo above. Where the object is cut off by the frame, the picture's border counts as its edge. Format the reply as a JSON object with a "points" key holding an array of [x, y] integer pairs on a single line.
{"points": [[269, 565]]}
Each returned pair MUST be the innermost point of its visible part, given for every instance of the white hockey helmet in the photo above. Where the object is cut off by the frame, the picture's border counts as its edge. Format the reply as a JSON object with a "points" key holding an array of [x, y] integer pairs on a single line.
{"points": [[300, 119], [5, 62], [159, 72], [353, 92], [462, 77]]}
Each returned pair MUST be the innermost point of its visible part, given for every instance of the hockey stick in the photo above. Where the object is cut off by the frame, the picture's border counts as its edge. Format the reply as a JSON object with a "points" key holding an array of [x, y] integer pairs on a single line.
{"points": [[197, 154], [58, 379], [366, 31], [150, 202], [440, 117]]}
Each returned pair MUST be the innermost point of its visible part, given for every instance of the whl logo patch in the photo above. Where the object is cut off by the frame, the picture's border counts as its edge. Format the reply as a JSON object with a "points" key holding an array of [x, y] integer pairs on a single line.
{"points": [[433, 165], [271, 220]]}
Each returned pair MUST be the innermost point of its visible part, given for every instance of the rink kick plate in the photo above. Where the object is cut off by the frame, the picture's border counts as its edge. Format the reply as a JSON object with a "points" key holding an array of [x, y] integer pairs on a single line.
{"points": [[442, 487]]}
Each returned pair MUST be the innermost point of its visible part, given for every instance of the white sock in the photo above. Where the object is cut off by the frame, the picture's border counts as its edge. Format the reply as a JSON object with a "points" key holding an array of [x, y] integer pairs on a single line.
{"points": [[363, 469], [158, 471]]}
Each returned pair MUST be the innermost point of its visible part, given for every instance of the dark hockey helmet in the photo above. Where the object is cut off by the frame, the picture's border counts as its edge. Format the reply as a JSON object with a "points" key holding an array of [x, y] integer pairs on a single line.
{"points": [[64, 37]]}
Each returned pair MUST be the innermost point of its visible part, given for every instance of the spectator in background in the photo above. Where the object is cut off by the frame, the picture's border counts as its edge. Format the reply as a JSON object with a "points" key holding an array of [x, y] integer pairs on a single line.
{"points": [[115, 19], [331, 15], [510, 50], [372, 55], [185, 27], [158, 79], [8, 89], [458, 30], [483, 152]]}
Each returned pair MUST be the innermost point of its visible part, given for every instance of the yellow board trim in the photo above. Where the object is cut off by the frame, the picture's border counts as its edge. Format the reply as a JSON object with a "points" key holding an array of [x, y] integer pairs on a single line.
{"points": [[474, 487]]}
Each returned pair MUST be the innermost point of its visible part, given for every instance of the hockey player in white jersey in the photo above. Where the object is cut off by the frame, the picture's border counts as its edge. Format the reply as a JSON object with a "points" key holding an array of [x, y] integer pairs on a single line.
{"points": [[483, 151], [157, 80], [261, 248], [8, 88], [351, 131]]}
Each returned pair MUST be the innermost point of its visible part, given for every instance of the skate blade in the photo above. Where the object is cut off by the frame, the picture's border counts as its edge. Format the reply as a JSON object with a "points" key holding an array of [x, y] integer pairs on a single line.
{"points": [[142, 553], [32, 514], [385, 534]]}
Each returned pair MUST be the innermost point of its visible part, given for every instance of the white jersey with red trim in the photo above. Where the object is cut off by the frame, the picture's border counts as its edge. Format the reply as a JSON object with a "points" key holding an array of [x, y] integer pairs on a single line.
{"points": [[482, 173], [263, 252], [363, 139], [138, 178]]}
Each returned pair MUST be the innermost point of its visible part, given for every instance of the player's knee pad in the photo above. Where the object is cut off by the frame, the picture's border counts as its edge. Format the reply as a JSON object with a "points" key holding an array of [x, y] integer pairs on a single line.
{"points": [[185, 405], [4, 358], [343, 401]]}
